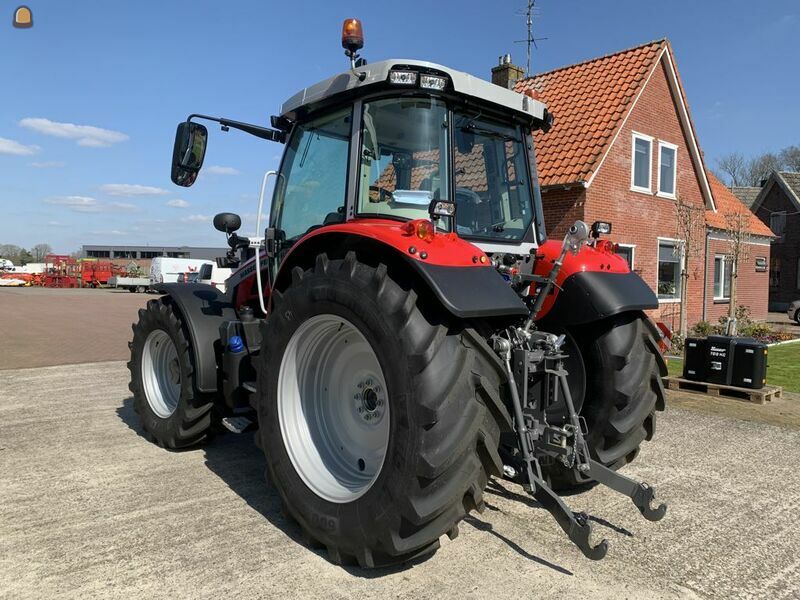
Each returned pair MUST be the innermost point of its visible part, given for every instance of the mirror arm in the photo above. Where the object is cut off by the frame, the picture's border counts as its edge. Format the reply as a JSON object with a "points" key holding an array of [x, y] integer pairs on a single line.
{"points": [[264, 133]]}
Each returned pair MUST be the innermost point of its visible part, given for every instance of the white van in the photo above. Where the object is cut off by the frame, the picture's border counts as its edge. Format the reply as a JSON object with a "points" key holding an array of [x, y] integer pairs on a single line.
{"points": [[214, 275], [166, 270]]}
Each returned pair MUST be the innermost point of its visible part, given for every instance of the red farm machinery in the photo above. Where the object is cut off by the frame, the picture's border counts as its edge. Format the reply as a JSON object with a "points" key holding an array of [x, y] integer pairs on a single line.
{"points": [[60, 271], [402, 330]]}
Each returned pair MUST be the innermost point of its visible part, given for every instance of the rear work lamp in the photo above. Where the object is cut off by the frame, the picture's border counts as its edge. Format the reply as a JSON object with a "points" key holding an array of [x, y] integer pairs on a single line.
{"points": [[442, 208], [433, 82], [403, 77], [600, 228]]}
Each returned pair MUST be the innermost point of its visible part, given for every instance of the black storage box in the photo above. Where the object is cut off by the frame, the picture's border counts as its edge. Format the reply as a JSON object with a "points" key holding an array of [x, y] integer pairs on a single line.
{"points": [[718, 359], [749, 365], [695, 359], [740, 362]]}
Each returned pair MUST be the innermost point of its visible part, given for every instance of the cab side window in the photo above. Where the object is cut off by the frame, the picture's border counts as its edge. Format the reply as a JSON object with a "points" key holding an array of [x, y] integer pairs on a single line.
{"points": [[313, 187]]}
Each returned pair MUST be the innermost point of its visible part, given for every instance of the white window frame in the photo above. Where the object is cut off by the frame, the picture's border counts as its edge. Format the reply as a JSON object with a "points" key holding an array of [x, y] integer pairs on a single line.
{"points": [[633, 253], [725, 267], [673, 147], [681, 264], [649, 139]]}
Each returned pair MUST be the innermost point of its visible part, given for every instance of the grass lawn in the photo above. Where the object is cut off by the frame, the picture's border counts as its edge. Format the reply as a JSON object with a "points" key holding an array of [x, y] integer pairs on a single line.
{"points": [[783, 369]]}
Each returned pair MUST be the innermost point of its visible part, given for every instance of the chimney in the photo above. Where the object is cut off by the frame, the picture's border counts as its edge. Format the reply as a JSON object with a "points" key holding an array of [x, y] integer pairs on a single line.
{"points": [[506, 74]]}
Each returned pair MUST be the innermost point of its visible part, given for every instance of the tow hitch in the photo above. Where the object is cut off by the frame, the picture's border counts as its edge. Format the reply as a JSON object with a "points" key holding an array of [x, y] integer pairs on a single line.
{"points": [[535, 370]]}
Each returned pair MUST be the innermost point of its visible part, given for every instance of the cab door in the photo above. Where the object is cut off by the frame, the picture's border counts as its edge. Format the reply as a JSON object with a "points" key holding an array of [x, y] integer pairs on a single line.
{"points": [[311, 190]]}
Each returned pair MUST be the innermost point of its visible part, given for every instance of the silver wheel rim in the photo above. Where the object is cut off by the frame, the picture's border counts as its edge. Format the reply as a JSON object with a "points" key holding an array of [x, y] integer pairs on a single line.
{"points": [[333, 408], [161, 373]]}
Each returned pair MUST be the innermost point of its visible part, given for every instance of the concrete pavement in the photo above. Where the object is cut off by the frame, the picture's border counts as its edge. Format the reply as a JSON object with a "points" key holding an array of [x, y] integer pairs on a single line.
{"points": [[90, 509]]}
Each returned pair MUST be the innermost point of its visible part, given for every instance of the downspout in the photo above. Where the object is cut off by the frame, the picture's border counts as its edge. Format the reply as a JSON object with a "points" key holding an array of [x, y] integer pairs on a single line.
{"points": [[705, 277]]}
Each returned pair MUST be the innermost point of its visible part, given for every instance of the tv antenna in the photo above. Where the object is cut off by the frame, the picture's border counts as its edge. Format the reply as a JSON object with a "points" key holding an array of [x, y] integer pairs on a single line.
{"points": [[529, 13]]}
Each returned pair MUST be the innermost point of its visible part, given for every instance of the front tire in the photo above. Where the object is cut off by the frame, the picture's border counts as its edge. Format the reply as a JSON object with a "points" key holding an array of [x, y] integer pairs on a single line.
{"points": [[172, 412], [388, 493]]}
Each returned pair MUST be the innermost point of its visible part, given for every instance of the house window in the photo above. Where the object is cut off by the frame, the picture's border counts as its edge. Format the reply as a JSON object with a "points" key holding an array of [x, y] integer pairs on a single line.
{"points": [[641, 161], [777, 222], [669, 270], [761, 264], [798, 274], [774, 271], [626, 251], [667, 168], [722, 278]]}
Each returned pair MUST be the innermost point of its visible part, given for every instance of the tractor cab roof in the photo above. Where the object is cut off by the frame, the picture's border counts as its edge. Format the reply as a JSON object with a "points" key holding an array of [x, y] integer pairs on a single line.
{"points": [[350, 85]]}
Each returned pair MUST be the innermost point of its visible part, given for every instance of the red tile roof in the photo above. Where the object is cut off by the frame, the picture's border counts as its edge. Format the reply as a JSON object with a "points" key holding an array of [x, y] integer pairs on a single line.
{"points": [[589, 101], [727, 205]]}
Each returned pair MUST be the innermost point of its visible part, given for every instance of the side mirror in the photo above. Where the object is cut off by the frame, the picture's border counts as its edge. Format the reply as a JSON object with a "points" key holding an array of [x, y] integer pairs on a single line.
{"points": [[188, 152], [227, 222]]}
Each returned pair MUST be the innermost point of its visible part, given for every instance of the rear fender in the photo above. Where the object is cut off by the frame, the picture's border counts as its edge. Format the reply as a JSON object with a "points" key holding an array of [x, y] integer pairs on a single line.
{"points": [[452, 268], [592, 285], [203, 309]]}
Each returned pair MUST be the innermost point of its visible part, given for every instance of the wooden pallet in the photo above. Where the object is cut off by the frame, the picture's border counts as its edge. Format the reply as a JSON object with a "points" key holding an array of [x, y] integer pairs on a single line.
{"points": [[767, 393]]}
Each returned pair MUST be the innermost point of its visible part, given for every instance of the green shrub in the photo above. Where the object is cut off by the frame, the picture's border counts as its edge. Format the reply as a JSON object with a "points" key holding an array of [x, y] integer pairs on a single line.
{"points": [[704, 329]]}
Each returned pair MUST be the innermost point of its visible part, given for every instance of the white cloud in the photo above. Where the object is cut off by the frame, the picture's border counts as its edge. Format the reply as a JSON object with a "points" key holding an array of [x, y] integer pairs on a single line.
{"points": [[197, 219], [178, 203], [55, 224], [13, 147], [131, 189], [122, 206], [109, 232], [85, 135], [86, 204], [217, 170], [75, 203], [52, 164]]}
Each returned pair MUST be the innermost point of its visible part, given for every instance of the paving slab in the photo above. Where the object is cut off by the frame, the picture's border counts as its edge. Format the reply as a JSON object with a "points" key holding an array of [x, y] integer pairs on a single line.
{"points": [[90, 509], [50, 326]]}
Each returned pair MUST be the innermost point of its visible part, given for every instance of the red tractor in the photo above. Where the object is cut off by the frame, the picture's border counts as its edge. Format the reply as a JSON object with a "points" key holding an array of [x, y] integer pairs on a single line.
{"points": [[402, 331]]}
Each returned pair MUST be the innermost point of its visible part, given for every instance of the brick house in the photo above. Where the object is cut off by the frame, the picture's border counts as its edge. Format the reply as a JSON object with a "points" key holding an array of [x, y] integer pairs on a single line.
{"points": [[777, 204], [623, 149]]}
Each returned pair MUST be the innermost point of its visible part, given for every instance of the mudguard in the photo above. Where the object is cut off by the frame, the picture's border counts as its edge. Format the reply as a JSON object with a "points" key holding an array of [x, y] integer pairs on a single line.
{"points": [[594, 284], [202, 309], [466, 285], [593, 295]]}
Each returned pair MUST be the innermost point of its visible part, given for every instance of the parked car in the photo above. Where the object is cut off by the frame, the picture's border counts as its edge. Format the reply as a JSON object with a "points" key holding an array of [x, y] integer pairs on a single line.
{"points": [[794, 311]]}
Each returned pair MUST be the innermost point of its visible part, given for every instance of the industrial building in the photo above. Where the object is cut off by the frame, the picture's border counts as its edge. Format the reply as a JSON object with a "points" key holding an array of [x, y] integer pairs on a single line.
{"points": [[147, 252]]}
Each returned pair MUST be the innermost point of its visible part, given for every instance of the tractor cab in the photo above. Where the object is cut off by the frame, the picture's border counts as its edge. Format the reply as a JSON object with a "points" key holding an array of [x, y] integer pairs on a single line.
{"points": [[398, 141]]}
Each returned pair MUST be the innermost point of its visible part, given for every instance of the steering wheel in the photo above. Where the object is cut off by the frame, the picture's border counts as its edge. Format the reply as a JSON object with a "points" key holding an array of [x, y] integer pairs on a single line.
{"points": [[383, 195]]}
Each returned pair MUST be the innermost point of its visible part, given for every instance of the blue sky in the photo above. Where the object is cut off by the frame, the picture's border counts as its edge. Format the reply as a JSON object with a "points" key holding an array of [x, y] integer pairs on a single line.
{"points": [[126, 73]]}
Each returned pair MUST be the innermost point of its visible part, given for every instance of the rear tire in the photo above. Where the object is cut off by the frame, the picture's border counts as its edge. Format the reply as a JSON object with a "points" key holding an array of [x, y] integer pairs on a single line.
{"points": [[443, 414], [623, 391], [172, 412]]}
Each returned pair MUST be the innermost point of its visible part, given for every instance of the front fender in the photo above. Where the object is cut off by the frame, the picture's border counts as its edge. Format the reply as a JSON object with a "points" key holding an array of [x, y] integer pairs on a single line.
{"points": [[203, 309]]}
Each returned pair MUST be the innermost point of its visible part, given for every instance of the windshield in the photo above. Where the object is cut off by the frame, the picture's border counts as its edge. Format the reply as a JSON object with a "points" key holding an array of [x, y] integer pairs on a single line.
{"points": [[404, 147], [492, 188]]}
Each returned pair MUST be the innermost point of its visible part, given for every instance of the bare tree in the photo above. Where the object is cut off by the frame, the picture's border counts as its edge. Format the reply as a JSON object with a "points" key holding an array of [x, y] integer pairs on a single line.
{"points": [[739, 237], [10, 251], [790, 158], [761, 167], [690, 226], [734, 166], [39, 251]]}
